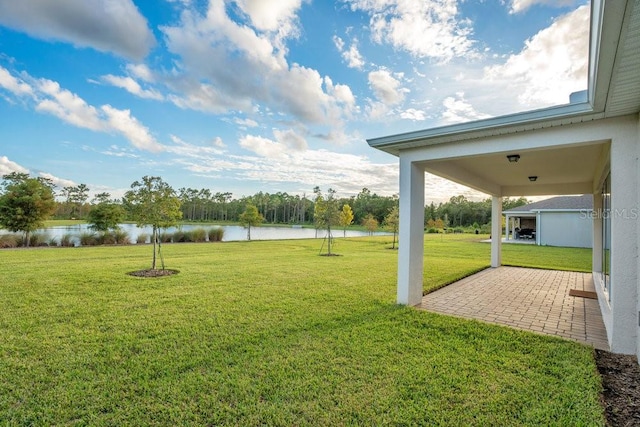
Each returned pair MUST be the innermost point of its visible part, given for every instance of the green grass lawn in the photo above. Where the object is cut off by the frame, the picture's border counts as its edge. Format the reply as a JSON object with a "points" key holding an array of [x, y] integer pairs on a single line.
{"points": [[269, 333]]}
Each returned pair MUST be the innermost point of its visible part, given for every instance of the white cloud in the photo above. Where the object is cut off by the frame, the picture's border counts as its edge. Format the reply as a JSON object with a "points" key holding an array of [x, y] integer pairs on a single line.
{"points": [[217, 142], [274, 161], [48, 97], [458, 110], [386, 87], [552, 64], [518, 6], [245, 122], [14, 85], [256, 75], [291, 139], [106, 25], [413, 114], [377, 110], [276, 16], [58, 182], [430, 29], [132, 86], [7, 166], [352, 56], [263, 147], [122, 122], [67, 106], [187, 150], [141, 71]]}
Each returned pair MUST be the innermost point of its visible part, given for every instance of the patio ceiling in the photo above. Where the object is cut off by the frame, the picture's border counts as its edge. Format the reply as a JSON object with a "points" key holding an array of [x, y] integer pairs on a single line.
{"points": [[560, 170]]}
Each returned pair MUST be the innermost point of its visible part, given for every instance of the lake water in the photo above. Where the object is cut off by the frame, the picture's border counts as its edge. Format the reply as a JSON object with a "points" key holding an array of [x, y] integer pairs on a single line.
{"points": [[231, 232]]}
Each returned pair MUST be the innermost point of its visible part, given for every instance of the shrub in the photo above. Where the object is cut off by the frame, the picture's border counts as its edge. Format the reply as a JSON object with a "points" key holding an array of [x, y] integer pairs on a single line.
{"points": [[106, 238], [165, 237], [52, 242], [9, 241], [198, 235], [432, 230], [38, 239], [216, 234], [143, 238], [121, 237], [179, 237], [67, 240], [88, 239]]}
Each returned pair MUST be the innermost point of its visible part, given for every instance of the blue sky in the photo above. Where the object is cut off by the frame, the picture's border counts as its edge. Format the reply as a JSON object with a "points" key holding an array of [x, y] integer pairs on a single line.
{"points": [[267, 95]]}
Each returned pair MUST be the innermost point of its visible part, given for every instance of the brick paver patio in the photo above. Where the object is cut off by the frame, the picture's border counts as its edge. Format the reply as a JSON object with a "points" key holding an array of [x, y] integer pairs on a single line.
{"points": [[525, 298]]}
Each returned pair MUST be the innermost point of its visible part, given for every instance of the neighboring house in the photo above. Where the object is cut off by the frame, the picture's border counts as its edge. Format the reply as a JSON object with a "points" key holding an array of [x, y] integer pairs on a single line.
{"points": [[558, 221], [589, 146]]}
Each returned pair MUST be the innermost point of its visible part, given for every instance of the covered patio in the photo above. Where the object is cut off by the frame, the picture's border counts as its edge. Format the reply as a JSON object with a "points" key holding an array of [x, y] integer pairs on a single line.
{"points": [[540, 301], [588, 146]]}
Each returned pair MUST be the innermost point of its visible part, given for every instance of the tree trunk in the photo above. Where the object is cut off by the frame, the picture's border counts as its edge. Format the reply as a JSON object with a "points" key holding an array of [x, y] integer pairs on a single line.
{"points": [[155, 241]]}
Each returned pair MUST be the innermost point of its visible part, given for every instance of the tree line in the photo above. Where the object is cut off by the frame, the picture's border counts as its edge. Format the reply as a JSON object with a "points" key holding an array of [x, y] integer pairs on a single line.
{"points": [[25, 201]]}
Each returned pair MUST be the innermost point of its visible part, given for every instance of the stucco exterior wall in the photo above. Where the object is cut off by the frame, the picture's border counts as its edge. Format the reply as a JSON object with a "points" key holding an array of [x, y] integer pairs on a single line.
{"points": [[572, 229]]}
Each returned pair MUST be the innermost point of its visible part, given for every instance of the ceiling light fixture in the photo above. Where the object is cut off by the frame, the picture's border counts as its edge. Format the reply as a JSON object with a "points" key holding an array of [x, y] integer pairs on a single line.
{"points": [[513, 158], [533, 178]]}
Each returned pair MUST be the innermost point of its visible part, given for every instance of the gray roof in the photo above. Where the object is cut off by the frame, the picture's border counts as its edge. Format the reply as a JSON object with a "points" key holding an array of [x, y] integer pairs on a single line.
{"points": [[560, 203]]}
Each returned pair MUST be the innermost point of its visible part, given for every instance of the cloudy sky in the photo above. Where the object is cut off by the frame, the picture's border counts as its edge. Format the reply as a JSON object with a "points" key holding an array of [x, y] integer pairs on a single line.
{"points": [[267, 95]]}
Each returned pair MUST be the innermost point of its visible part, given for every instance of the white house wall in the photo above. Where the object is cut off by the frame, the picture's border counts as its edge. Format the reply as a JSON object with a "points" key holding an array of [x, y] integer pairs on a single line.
{"points": [[637, 324], [573, 229], [622, 312]]}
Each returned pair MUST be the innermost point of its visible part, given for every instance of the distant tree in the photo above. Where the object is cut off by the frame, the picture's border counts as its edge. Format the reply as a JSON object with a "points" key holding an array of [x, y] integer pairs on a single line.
{"points": [[25, 203], [509, 203], [370, 223], [346, 218], [250, 218], [153, 202], [106, 214], [326, 213], [391, 223]]}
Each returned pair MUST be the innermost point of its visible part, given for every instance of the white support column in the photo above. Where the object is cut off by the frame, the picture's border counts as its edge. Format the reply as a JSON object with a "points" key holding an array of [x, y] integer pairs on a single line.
{"points": [[411, 233], [596, 252], [496, 231], [624, 251], [507, 227]]}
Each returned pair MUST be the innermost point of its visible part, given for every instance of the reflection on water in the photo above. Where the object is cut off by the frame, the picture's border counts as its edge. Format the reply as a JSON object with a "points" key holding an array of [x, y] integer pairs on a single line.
{"points": [[231, 232]]}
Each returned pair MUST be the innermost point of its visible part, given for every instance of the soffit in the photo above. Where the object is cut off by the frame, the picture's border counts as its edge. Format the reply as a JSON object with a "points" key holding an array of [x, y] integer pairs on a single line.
{"points": [[624, 93], [565, 170]]}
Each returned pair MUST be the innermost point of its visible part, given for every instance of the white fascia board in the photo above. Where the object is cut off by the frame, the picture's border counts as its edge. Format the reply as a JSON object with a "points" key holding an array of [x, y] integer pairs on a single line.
{"points": [[536, 119], [562, 210]]}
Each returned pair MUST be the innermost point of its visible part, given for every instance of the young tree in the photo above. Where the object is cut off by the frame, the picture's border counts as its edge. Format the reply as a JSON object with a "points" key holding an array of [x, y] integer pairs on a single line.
{"points": [[153, 202], [250, 217], [391, 223], [370, 223], [346, 218], [25, 204], [106, 214], [326, 213]]}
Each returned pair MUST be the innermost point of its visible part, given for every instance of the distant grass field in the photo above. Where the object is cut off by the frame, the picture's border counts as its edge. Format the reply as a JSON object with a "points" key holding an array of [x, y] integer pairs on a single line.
{"points": [[270, 333]]}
